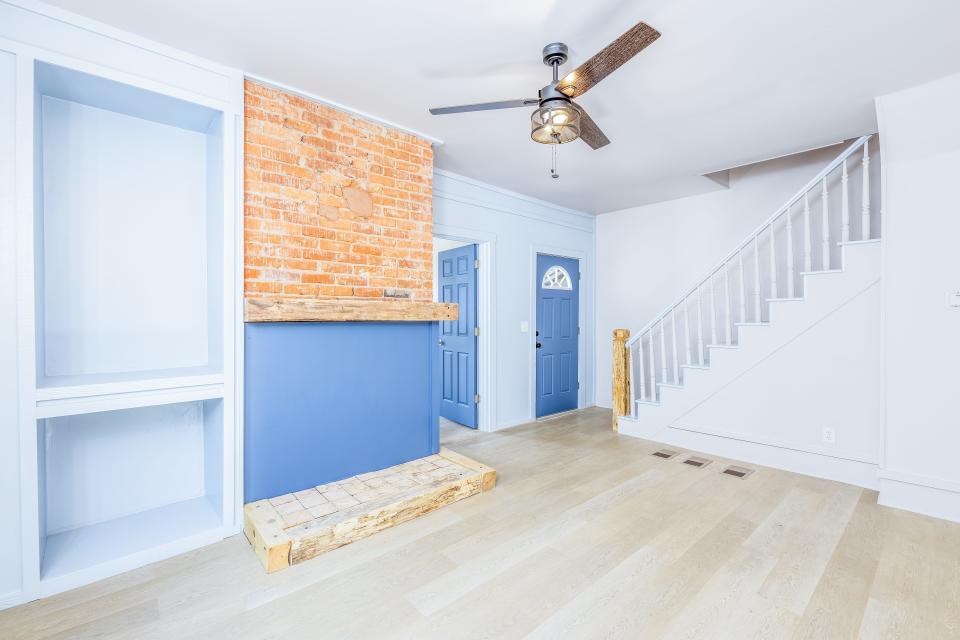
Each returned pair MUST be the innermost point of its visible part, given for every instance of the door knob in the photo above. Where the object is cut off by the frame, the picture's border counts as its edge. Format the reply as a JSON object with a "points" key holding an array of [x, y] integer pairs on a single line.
{"points": [[538, 345], [440, 343]]}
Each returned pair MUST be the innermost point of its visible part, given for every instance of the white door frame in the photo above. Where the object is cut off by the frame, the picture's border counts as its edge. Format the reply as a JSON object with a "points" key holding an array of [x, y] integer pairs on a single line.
{"points": [[486, 312], [582, 258]]}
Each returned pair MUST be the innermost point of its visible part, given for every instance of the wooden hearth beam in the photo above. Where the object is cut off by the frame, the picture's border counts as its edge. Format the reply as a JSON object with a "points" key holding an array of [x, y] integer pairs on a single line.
{"points": [[314, 310]]}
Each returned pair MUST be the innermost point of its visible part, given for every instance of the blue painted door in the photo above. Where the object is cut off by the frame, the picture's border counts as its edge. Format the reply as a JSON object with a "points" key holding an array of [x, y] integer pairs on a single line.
{"points": [[558, 333], [457, 282]]}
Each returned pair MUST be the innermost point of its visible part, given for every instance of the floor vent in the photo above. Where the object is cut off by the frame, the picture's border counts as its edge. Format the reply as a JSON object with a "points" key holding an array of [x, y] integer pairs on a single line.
{"points": [[694, 461], [737, 472], [665, 453]]}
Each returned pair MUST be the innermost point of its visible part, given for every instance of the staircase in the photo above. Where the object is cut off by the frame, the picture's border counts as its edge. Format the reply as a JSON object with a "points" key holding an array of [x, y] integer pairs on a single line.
{"points": [[817, 254]]}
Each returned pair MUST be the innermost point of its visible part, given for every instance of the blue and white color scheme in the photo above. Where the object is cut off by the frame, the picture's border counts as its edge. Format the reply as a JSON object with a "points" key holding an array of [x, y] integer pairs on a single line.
{"points": [[558, 312], [457, 282]]}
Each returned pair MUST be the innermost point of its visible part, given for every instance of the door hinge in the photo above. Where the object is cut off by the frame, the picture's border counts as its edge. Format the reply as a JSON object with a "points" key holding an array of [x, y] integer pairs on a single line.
{"points": [[476, 331], [578, 385], [579, 276], [578, 330], [476, 264], [476, 398]]}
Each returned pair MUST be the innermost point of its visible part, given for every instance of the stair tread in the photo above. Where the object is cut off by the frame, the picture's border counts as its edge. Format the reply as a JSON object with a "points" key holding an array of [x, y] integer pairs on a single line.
{"points": [[722, 346], [785, 299], [814, 273], [694, 366], [751, 324], [868, 241]]}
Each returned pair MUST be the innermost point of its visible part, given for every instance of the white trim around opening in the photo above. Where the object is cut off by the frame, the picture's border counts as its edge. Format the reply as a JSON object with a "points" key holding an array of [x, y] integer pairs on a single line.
{"points": [[583, 260]]}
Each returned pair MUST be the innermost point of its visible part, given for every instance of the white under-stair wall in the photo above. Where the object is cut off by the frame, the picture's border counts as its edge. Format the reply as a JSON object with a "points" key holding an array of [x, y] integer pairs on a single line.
{"points": [[800, 393], [773, 355]]}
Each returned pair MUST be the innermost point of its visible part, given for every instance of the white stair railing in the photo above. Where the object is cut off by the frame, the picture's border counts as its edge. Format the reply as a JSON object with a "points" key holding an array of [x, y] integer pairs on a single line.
{"points": [[675, 338]]}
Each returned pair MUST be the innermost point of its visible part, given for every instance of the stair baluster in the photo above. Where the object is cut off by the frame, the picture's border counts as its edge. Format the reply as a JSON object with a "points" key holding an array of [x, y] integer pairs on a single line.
{"points": [[865, 209], [757, 317], [653, 371], [727, 327], [663, 353], [713, 309], [791, 276], [844, 204], [743, 290], [642, 386], [700, 325], [773, 262], [676, 358], [825, 228], [807, 245]]}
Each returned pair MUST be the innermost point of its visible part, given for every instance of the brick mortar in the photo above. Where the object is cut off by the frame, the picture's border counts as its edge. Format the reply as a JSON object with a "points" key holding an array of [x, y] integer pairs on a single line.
{"points": [[301, 239]]}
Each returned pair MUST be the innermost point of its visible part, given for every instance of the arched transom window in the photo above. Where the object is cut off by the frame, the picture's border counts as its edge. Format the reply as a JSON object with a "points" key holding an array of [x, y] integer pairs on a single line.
{"points": [[556, 277]]}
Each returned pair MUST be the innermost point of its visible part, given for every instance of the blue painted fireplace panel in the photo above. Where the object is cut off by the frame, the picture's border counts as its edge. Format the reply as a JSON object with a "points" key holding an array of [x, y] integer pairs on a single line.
{"points": [[327, 400]]}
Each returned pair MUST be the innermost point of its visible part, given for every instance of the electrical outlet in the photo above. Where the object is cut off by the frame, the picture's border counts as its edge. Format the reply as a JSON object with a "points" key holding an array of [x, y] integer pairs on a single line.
{"points": [[828, 435]]}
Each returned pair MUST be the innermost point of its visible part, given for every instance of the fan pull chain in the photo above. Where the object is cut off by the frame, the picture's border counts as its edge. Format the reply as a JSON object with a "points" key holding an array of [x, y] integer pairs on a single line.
{"points": [[553, 164]]}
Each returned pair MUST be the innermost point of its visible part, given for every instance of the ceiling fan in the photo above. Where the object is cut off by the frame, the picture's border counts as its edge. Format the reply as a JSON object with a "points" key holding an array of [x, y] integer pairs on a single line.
{"points": [[558, 119]]}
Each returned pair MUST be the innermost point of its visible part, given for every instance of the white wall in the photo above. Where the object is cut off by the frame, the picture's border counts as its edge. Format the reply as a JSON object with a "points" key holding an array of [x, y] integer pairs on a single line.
{"points": [[9, 391], [828, 376], [442, 244], [514, 228], [121, 190], [648, 256], [920, 132]]}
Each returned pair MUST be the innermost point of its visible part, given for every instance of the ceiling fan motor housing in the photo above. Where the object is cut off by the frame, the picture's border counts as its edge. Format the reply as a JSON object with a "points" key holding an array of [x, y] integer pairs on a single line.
{"points": [[554, 53]]}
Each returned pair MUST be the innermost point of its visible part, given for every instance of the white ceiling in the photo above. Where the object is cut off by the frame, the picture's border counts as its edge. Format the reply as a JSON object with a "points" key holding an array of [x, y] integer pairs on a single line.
{"points": [[728, 83]]}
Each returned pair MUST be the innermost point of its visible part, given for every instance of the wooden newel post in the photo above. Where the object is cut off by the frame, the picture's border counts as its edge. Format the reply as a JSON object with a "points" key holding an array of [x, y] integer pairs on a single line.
{"points": [[621, 379]]}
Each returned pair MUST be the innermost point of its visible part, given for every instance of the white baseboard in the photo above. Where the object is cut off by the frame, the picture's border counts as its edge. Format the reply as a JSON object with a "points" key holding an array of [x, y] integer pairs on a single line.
{"points": [[10, 599], [855, 472], [937, 501]]}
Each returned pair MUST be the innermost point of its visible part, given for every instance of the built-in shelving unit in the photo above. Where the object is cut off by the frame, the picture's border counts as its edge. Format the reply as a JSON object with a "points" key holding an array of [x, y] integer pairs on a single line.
{"points": [[133, 418]]}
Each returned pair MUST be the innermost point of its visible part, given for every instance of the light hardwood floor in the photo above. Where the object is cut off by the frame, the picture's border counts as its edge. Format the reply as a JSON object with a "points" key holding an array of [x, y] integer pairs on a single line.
{"points": [[586, 535]]}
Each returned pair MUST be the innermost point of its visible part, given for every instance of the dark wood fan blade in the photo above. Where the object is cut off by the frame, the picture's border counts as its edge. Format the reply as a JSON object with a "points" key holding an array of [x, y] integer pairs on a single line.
{"points": [[485, 106], [589, 131], [608, 60]]}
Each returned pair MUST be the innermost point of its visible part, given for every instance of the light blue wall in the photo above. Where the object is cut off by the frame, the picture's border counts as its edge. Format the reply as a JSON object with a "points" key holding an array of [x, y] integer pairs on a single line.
{"points": [[516, 227]]}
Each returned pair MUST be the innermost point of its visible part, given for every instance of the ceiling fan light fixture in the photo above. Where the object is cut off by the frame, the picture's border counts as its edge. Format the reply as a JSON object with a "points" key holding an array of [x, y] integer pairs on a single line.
{"points": [[555, 122]]}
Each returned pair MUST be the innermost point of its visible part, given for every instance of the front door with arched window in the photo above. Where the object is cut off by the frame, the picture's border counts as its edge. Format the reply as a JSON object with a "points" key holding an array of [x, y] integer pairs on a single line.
{"points": [[558, 333]]}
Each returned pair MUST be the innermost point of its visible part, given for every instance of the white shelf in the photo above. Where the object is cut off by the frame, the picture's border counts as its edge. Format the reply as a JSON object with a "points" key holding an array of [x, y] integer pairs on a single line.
{"points": [[107, 548], [66, 401], [67, 386]]}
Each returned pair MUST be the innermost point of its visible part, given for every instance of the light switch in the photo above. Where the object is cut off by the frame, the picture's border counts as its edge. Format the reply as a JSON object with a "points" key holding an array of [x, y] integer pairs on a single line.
{"points": [[953, 299], [524, 326]]}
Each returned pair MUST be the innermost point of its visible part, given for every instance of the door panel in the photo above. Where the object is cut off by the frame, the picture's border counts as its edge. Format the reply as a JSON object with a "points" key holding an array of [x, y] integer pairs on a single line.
{"points": [[458, 283], [558, 309]]}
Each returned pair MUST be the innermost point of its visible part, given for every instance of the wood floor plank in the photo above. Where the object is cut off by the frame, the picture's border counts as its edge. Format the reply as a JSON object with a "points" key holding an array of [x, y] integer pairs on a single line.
{"points": [[586, 535]]}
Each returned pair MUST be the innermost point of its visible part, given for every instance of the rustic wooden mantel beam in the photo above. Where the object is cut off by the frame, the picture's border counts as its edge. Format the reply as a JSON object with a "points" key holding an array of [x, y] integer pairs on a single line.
{"points": [[315, 310]]}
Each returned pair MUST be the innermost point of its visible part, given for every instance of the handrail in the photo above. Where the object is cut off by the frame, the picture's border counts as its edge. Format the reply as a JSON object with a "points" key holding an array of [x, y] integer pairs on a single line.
{"points": [[860, 142]]}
